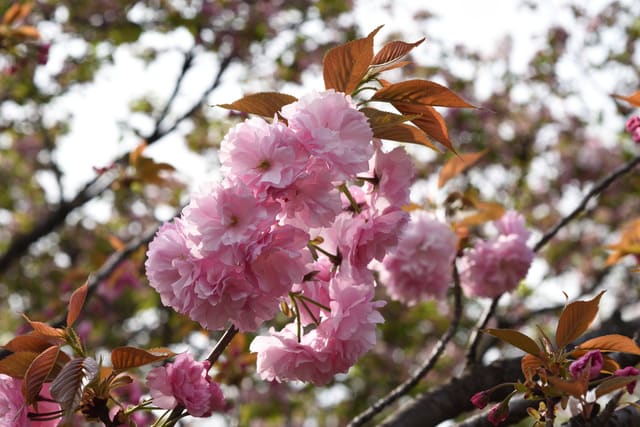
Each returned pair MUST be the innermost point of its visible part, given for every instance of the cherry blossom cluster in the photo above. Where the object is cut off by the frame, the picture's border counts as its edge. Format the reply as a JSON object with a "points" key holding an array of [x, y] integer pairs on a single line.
{"points": [[493, 267], [633, 127], [420, 267], [307, 202], [187, 383]]}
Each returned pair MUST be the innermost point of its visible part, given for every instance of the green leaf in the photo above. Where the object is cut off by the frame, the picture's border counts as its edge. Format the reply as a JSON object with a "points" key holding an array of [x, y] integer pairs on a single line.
{"points": [[515, 338], [575, 319]]}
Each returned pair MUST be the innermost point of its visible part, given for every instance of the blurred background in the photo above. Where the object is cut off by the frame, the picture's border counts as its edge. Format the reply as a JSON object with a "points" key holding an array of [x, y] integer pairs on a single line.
{"points": [[108, 119]]}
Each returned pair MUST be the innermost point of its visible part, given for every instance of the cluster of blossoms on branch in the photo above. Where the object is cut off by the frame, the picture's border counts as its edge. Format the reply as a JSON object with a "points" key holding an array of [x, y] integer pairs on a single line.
{"points": [[306, 204]]}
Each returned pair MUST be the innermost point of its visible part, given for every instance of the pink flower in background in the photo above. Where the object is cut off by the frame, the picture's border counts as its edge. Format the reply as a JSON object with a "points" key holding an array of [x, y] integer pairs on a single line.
{"points": [[493, 267], [332, 129], [13, 413], [633, 128], [512, 223], [185, 382], [262, 155], [628, 371], [421, 266], [592, 360]]}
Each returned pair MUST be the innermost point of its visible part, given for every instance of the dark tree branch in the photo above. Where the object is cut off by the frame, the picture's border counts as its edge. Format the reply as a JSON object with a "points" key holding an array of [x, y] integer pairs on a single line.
{"points": [[21, 242], [406, 386]]}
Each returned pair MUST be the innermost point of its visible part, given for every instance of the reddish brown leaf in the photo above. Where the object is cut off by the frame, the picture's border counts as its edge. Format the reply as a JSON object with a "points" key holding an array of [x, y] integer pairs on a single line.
{"points": [[422, 92], [393, 51], [613, 383], [429, 120], [486, 211], [132, 357], [16, 364], [379, 119], [458, 164], [529, 365], [515, 338], [75, 303], [27, 31], [390, 56], [39, 370], [609, 365], [613, 342], [265, 104], [29, 342], [404, 133], [344, 66], [629, 242], [11, 14], [44, 330], [573, 388], [575, 319], [68, 386], [633, 99]]}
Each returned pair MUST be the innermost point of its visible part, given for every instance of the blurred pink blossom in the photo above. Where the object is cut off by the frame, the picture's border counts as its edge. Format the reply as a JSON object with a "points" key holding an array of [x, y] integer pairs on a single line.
{"points": [[421, 266], [12, 410], [185, 382], [493, 267]]}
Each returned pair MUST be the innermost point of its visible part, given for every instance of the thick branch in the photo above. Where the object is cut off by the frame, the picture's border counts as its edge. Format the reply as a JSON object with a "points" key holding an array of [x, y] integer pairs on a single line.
{"points": [[453, 399]]}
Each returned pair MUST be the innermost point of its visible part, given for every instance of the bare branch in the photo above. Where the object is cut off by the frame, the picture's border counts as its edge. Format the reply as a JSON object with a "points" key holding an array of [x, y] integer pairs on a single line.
{"points": [[597, 189], [98, 185]]}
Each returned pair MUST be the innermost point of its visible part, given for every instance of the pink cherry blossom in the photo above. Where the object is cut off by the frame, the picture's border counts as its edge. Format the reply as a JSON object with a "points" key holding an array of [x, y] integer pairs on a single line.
{"points": [[421, 265], [592, 360], [633, 128], [628, 371], [512, 223], [12, 410], [332, 129], [494, 267], [262, 155], [171, 268], [491, 268], [227, 216], [392, 173], [185, 382], [343, 335], [280, 357], [480, 400]]}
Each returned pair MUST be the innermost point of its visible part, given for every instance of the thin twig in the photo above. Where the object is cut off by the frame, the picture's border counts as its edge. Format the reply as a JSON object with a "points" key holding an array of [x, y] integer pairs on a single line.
{"points": [[597, 189], [222, 343], [405, 387], [472, 354], [110, 265]]}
